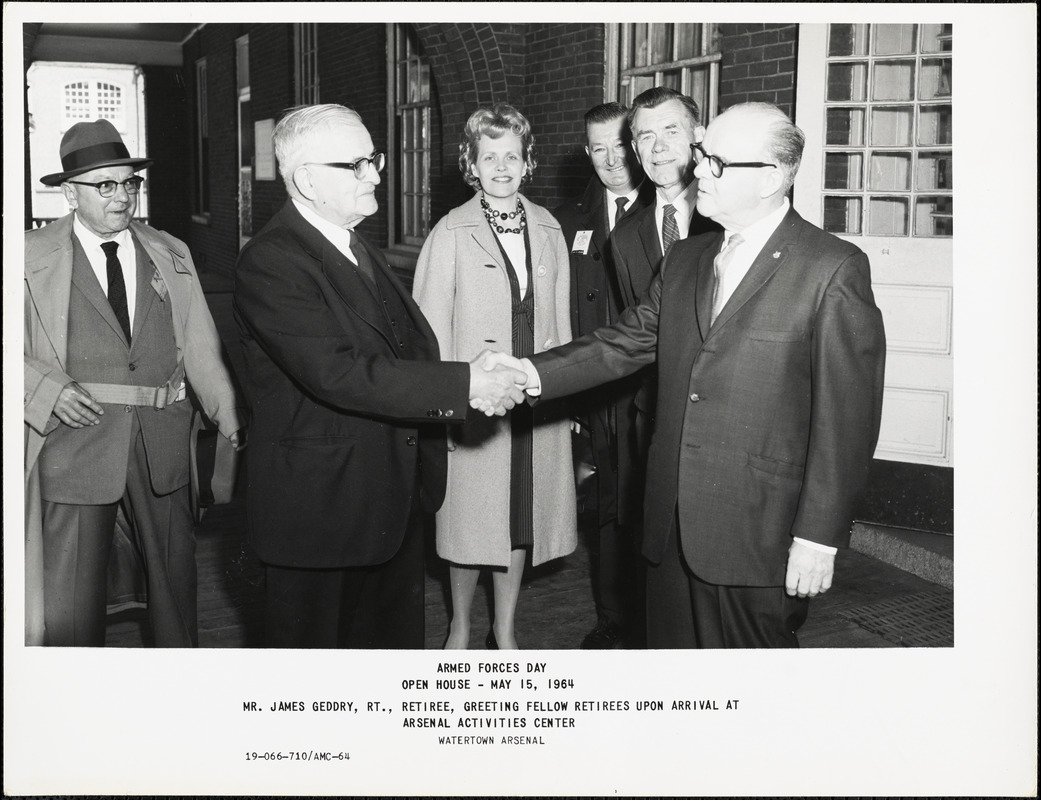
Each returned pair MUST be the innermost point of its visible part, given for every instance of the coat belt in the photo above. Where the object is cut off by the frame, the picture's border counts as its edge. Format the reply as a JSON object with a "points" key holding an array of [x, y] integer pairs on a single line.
{"points": [[173, 391]]}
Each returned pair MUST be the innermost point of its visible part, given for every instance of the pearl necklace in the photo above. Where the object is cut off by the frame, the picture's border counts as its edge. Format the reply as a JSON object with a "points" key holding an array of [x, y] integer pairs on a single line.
{"points": [[491, 214]]}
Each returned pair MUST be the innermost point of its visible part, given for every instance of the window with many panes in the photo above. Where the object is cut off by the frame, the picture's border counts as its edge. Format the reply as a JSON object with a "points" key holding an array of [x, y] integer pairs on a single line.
{"points": [[306, 36], [410, 167], [91, 100], [682, 56], [888, 155]]}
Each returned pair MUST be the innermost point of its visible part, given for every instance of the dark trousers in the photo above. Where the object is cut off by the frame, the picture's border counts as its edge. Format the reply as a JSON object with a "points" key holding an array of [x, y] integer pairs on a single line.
{"points": [[369, 607], [77, 543], [615, 562], [684, 611]]}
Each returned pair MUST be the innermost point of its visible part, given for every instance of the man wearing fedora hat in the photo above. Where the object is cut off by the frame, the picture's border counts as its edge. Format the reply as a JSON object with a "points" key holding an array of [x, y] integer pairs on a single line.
{"points": [[116, 328]]}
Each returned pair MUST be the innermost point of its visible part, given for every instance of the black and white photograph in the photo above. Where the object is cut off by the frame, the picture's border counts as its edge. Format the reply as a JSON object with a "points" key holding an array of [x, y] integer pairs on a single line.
{"points": [[621, 346]]}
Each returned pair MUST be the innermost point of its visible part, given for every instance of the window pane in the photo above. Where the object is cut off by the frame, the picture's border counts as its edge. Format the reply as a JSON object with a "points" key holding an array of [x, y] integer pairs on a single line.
{"points": [[640, 49], [697, 79], [661, 43], [688, 40], [894, 39], [424, 82], [890, 172], [891, 125], [934, 216], [640, 83], [893, 80], [842, 214], [887, 216], [845, 126], [844, 171], [848, 40], [934, 125], [936, 38], [847, 81], [934, 172], [936, 79], [672, 80]]}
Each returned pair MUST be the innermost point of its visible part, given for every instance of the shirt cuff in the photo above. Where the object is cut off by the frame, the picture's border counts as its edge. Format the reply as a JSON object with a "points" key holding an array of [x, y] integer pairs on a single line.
{"points": [[815, 546], [534, 385]]}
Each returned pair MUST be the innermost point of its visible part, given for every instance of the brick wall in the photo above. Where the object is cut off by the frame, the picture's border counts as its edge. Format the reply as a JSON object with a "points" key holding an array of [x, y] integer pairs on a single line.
{"points": [[758, 65], [564, 78]]}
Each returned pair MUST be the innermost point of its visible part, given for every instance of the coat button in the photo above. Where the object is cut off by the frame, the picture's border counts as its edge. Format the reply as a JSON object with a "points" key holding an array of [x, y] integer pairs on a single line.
{"points": [[133, 367], [695, 397], [596, 256], [591, 296], [126, 409], [542, 270], [411, 441]]}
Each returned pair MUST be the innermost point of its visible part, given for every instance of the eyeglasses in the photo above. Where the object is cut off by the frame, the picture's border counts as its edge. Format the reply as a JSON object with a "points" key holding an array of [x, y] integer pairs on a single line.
{"points": [[108, 188], [717, 165], [360, 167]]}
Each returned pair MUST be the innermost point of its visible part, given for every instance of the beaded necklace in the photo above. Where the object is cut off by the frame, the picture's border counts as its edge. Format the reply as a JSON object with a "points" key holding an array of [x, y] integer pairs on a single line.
{"points": [[491, 215]]}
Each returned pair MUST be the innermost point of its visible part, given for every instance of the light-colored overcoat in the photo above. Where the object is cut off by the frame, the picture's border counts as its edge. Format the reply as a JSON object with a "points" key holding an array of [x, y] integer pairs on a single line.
{"points": [[463, 288], [48, 282]]}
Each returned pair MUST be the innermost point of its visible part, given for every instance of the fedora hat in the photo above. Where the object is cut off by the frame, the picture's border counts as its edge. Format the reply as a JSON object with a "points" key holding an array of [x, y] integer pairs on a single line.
{"points": [[89, 145]]}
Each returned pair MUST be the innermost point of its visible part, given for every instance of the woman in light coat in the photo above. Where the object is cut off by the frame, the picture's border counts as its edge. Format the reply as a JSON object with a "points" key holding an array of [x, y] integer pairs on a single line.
{"points": [[494, 275]]}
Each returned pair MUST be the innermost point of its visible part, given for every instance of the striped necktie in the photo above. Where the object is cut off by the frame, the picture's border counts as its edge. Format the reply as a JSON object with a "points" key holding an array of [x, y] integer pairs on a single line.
{"points": [[669, 231]]}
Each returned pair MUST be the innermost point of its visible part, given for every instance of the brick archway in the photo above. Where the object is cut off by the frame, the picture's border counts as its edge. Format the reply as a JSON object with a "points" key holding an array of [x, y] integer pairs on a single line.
{"points": [[473, 64]]}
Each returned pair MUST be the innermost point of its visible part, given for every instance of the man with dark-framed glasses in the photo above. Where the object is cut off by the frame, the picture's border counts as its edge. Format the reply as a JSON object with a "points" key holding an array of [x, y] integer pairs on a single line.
{"points": [[116, 331], [349, 401], [771, 358]]}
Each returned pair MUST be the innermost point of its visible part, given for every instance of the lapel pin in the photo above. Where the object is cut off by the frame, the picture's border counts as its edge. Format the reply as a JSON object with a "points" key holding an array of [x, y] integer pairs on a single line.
{"points": [[777, 254]]}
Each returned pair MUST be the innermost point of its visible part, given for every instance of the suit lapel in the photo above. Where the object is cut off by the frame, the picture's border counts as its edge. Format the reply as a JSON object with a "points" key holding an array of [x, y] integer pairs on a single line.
{"points": [[48, 271], [352, 288], [146, 292], [773, 255], [703, 296]]}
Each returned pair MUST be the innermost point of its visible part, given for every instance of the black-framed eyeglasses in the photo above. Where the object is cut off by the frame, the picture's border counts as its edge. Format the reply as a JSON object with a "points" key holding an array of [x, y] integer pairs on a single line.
{"points": [[717, 165], [108, 188], [361, 167]]}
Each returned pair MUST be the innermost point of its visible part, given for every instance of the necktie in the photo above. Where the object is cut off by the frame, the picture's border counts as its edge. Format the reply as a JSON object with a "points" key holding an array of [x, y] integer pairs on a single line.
{"points": [[117, 288], [669, 232], [620, 202], [364, 264], [719, 268]]}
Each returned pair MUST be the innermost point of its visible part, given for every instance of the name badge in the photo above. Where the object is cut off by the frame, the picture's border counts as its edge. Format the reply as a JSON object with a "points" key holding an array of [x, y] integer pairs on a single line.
{"points": [[582, 240]]}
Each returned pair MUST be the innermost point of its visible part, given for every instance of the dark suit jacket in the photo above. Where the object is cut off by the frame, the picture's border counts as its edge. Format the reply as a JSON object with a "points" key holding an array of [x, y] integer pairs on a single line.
{"points": [[637, 250], [338, 414], [765, 424], [596, 301]]}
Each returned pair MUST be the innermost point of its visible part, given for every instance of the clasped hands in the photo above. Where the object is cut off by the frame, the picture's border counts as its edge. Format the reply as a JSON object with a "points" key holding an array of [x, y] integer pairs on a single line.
{"points": [[497, 382]]}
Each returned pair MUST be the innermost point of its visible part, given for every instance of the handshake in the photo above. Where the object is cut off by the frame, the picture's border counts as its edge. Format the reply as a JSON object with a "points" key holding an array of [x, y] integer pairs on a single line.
{"points": [[498, 382]]}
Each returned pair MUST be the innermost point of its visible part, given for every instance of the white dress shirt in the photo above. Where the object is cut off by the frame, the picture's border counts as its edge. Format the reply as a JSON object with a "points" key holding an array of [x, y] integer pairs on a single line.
{"points": [[685, 204], [127, 254], [755, 237], [338, 237]]}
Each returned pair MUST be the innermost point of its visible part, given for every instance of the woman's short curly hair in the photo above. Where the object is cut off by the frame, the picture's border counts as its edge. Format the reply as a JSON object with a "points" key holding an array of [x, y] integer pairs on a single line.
{"points": [[493, 122]]}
